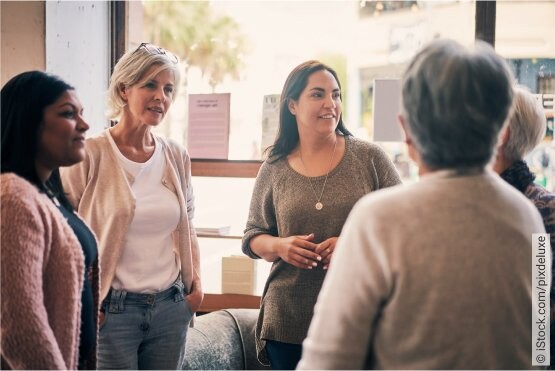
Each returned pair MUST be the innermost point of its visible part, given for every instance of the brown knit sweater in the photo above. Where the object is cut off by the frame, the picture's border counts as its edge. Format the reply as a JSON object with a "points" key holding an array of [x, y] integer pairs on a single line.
{"points": [[42, 278], [283, 205]]}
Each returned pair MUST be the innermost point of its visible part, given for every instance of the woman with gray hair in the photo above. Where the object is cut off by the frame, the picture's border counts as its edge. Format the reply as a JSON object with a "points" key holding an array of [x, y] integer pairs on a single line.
{"points": [[420, 277], [134, 190]]}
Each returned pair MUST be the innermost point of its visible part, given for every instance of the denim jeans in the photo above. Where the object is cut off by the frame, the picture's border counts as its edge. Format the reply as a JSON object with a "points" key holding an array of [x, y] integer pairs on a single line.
{"points": [[144, 331]]}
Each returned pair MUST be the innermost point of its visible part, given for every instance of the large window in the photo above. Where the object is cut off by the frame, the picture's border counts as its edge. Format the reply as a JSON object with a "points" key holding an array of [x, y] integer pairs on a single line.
{"points": [[247, 49]]}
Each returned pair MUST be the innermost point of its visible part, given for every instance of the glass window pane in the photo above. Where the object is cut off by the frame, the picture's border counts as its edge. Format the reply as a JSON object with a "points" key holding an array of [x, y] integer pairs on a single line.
{"points": [[247, 48], [524, 36], [212, 251], [257, 43], [223, 202]]}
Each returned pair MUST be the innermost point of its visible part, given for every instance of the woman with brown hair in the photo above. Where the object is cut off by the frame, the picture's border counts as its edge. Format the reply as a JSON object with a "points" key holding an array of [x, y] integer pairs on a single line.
{"points": [[315, 172]]}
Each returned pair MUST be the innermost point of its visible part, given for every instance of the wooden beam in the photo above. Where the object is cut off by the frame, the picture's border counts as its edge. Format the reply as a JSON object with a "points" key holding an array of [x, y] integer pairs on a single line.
{"points": [[118, 25], [225, 168], [214, 302], [485, 21]]}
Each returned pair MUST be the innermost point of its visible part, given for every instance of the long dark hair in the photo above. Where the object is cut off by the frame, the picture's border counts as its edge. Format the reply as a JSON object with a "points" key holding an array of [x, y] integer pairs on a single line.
{"points": [[23, 101], [288, 133]]}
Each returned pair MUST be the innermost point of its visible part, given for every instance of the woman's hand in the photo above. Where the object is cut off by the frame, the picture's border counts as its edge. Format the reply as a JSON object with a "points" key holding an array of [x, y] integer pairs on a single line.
{"points": [[196, 295], [325, 249], [298, 251], [101, 317]]}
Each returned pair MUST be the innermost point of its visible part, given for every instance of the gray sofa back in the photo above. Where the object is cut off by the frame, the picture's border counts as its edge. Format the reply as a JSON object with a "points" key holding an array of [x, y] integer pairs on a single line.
{"points": [[223, 340]]}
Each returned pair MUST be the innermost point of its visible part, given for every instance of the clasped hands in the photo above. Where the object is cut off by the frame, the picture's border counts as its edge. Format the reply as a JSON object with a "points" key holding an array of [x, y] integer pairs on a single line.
{"points": [[301, 252]]}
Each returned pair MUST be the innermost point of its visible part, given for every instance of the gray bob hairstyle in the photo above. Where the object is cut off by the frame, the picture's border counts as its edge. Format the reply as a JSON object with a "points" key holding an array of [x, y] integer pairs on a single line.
{"points": [[455, 102], [132, 68], [527, 125]]}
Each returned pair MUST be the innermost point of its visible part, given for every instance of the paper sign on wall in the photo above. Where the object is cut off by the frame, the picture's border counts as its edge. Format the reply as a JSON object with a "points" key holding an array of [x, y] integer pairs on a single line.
{"points": [[387, 106], [270, 120], [208, 135]]}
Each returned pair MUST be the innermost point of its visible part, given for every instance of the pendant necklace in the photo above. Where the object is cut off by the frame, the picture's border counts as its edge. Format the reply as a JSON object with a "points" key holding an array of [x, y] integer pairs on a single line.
{"points": [[319, 205]]}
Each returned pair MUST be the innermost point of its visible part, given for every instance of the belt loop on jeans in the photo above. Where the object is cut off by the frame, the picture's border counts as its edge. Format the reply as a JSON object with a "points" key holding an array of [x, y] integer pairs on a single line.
{"points": [[117, 300]]}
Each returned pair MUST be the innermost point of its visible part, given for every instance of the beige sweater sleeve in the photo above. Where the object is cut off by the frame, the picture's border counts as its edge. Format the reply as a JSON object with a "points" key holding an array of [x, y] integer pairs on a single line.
{"points": [[339, 335]]}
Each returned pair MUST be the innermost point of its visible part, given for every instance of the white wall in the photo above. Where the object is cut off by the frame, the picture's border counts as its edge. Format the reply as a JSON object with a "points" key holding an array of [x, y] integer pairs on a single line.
{"points": [[77, 49]]}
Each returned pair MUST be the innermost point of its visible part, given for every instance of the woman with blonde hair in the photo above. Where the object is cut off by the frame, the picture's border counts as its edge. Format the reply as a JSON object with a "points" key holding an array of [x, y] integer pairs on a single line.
{"points": [[134, 189]]}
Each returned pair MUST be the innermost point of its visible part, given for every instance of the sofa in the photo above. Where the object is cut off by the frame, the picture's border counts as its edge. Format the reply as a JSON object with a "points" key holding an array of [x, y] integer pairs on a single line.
{"points": [[223, 340]]}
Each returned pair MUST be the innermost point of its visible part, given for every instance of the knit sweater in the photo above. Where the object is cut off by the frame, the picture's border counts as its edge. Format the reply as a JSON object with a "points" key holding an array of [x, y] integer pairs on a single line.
{"points": [[99, 189], [433, 275], [283, 205], [42, 278]]}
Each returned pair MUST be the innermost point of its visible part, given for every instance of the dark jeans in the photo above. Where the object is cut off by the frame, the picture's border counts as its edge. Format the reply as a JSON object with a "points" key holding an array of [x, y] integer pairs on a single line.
{"points": [[283, 356]]}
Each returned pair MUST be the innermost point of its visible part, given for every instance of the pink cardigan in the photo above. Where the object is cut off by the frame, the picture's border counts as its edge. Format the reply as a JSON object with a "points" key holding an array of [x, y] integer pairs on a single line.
{"points": [[42, 278]]}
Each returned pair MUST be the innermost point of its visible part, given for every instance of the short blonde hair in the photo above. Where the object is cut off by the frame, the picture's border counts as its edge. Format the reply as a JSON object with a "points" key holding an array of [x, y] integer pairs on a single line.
{"points": [[527, 124], [131, 69]]}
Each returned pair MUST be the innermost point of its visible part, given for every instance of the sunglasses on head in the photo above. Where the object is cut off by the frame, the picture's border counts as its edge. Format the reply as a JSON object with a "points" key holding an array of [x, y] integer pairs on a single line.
{"points": [[153, 49]]}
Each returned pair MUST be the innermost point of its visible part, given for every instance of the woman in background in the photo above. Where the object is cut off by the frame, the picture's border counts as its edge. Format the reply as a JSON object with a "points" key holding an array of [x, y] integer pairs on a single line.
{"points": [[134, 189], [49, 256], [526, 129], [316, 171]]}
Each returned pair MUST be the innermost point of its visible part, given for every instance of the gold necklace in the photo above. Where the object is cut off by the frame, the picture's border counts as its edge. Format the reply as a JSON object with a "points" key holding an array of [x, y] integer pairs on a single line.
{"points": [[319, 205]]}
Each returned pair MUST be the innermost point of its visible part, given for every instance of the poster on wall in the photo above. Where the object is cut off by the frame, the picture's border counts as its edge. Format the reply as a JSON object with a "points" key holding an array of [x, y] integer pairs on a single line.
{"points": [[270, 120], [208, 135]]}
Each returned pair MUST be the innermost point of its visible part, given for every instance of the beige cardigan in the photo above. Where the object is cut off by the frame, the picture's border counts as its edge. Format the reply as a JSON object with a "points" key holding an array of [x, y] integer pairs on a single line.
{"points": [[42, 279], [100, 191]]}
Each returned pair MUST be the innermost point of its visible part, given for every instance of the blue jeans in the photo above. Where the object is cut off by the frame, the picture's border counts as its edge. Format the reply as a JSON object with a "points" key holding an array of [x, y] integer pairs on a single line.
{"points": [[283, 356], [144, 331]]}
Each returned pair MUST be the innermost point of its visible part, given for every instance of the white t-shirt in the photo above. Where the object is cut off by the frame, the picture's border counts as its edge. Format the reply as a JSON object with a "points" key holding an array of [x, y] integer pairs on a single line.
{"points": [[148, 263]]}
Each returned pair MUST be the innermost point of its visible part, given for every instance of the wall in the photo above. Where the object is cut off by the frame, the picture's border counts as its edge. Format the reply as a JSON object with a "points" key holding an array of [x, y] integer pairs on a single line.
{"points": [[525, 29], [22, 43], [67, 38], [77, 49]]}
